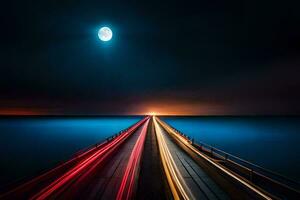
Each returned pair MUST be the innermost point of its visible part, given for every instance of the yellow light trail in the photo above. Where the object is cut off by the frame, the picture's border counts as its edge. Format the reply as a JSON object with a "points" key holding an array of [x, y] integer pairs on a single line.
{"points": [[178, 186], [188, 144]]}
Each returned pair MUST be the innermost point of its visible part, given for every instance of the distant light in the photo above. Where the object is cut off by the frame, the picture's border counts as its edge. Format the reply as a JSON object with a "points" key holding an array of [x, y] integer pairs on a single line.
{"points": [[152, 113], [105, 34]]}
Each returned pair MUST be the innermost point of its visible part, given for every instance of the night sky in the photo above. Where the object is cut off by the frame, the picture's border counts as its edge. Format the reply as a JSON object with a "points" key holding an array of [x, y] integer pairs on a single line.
{"points": [[203, 57]]}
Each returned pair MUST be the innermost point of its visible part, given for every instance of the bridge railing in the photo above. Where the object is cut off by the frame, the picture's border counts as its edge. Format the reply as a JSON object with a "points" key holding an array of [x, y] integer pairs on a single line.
{"points": [[250, 166], [248, 170], [109, 138], [22, 180]]}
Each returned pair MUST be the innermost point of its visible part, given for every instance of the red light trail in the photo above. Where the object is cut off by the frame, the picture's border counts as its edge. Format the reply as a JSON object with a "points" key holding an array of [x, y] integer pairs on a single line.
{"points": [[100, 154], [132, 168], [80, 167], [111, 170]]}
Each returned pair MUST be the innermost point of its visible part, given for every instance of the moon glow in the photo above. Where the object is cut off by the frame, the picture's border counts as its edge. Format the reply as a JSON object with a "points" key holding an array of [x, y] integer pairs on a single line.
{"points": [[105, 34]]}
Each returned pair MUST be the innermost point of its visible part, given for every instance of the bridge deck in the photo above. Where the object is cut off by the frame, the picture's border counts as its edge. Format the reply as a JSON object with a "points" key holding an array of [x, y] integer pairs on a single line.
{"points": [[152, 184], [148, 161], [197, 183], [105, 181]]}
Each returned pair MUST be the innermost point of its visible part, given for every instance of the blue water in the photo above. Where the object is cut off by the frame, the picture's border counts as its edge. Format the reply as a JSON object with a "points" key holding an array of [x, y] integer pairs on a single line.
{"points": [[271, 142], [29, 146]]}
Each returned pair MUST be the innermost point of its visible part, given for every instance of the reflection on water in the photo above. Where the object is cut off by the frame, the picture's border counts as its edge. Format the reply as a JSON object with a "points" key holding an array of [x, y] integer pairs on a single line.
{"points": [[28, 146], [271, 142]]}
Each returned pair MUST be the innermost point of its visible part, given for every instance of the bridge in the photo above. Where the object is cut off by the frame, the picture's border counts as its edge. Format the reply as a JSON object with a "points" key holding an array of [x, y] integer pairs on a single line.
{"points": [[152, 160]]}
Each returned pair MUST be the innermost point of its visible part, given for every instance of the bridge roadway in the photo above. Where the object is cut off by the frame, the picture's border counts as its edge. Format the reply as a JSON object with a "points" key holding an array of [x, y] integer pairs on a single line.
{"points": [[151, 183], [186, 178], [234, 185], [105, 171], [146, 161], [115, 179]]}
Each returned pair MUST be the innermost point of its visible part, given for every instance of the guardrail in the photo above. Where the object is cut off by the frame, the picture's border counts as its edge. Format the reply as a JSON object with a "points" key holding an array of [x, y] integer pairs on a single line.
{"points": [[272, 182], [109, 138], [9, 186]]}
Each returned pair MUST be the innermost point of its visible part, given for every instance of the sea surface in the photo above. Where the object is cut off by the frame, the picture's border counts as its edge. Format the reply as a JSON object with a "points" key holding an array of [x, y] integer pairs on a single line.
{"points": [[270, 142], [29, 146]]}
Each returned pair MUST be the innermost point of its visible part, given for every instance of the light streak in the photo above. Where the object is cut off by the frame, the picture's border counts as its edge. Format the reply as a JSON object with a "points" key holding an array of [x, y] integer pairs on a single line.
{"points": [[99, 155], [128, 181], [229, 173], [52, 172], [177, 184]]}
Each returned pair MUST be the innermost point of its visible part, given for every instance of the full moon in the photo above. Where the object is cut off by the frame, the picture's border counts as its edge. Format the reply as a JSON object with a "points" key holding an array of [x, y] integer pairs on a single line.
{"points": [[105, 34]]}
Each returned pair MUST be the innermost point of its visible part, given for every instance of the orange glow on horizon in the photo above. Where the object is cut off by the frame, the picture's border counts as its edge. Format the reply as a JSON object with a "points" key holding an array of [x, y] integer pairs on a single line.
{"points": [[178, 109], [19, 111], [156, 108], [152, 113]]}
